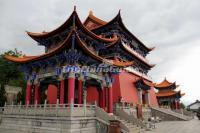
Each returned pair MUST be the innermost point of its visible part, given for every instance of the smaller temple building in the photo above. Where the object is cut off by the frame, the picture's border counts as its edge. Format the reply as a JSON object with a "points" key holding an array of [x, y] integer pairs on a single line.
{"points": [[194, 106], [167, 95]]}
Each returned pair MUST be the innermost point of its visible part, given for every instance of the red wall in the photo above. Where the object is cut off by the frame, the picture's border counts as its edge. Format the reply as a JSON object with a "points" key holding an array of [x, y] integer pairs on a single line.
{"points": [[92, 94], [123, 86], [153, 99], [51, 94], [116, 88], [127, 87]]}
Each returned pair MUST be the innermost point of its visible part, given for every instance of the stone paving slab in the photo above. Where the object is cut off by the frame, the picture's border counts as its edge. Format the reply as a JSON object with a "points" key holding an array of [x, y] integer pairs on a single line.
{"points": [[192, 126]]}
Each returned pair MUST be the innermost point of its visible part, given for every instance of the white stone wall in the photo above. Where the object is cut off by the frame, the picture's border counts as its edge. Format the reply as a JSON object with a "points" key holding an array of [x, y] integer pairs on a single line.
{"points": [[195, 106]]}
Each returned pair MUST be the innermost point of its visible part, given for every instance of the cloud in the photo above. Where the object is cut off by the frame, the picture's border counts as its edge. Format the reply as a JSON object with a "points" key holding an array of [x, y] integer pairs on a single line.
{"points": [[170, 25]]}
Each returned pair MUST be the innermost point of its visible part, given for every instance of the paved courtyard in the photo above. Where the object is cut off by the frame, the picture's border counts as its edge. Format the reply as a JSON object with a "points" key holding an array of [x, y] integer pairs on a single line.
{"points": [[192, 126]]}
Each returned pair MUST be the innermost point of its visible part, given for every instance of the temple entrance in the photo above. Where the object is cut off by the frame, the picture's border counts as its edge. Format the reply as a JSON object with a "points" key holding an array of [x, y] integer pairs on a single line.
{"points": [[92, 95], [52, 93], [49, 88], [94, 92]]}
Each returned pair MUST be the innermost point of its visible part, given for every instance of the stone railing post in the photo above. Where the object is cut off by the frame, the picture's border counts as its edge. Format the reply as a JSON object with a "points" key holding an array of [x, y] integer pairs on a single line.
{"points": [[20, 104], [45, 105], [35, 107], [110, 99], [71, 106], [85, 101], [57, 107], [95, 103], [12, 107]]}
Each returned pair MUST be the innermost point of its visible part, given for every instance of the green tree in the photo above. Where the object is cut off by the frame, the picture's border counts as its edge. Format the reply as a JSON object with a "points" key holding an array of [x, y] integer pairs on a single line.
{"points": [[10, 74], [182, 105]]}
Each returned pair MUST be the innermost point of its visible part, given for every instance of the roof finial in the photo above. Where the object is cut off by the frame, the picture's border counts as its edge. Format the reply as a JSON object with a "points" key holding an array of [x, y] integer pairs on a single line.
{"points": [[119, 11], [74, 8], [91, 12]]}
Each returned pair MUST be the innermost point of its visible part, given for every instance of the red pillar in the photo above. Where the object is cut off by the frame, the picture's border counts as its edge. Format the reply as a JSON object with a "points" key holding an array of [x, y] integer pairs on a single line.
{"points": [[101, 98], [104, 98], [176, 105], [28, 94], [37, 94], [110, 100], [62, 88], [71, 85], [80, 91]]}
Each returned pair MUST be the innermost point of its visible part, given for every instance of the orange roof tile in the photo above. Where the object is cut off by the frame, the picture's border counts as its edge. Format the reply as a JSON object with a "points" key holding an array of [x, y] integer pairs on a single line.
{"points": [[164, 83], [91, 19], [167, 93]]}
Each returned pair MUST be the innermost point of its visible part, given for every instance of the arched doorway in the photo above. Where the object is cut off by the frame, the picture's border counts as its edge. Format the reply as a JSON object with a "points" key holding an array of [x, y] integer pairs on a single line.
{"points": [[52, 93], [94, 92], [49, 90]]}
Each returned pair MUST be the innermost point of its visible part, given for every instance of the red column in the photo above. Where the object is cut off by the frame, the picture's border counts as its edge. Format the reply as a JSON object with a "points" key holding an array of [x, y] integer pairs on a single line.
{"points": [[110, 99], [62, 88], [139, 111], [101, 98], [71, 85], [80, 91], [176, 105], [104, 98], [28, 94], [37, 96]]}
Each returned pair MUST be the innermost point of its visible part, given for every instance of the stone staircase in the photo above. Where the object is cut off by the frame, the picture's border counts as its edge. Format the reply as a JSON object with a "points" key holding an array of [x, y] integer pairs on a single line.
{"points": [[129, 123], [167, 114], [132, 128]]}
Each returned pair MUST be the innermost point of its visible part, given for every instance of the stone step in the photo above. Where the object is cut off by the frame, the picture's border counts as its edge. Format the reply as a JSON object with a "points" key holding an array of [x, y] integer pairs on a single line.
{"points": [[131, 126], [172, 113]]}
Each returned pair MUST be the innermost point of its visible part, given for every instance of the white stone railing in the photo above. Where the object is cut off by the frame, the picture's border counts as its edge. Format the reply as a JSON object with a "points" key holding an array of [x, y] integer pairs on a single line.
{"points": [[57, 110]]}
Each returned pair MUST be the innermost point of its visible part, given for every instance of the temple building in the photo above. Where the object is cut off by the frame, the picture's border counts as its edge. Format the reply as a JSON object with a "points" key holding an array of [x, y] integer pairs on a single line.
{"points": [[94, 62], [167, 95]]}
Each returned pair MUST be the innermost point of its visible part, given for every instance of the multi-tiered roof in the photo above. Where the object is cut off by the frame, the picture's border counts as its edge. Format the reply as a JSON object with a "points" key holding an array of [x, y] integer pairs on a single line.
{"points": [[88, 43], [168, 89]]}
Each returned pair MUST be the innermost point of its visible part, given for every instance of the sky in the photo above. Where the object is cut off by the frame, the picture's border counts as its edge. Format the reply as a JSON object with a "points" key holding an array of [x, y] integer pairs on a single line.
{"points": [[172, 26]]}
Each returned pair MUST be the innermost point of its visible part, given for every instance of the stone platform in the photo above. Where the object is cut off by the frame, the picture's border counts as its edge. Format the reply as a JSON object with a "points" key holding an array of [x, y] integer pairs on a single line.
{"points": [[51, 119]]}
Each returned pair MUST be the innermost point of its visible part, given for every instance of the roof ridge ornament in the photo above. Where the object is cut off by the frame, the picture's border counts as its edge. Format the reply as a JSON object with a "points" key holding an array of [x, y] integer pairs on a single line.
{"points": [[90, 12], [74, 7], [119, 11], [74, 17]]}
